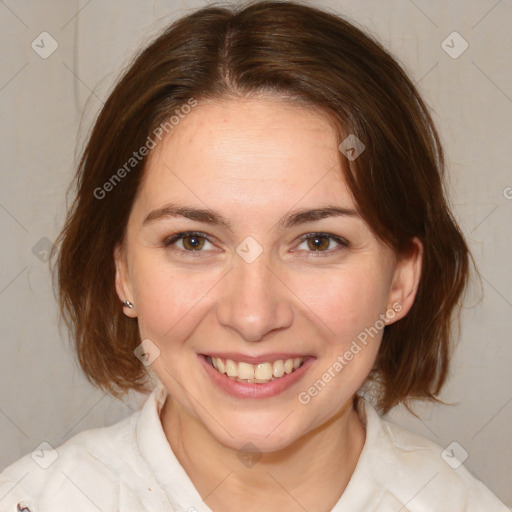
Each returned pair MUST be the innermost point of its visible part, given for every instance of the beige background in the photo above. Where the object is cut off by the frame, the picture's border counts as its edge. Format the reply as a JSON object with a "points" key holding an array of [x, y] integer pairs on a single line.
{"points": [[47, 106]]}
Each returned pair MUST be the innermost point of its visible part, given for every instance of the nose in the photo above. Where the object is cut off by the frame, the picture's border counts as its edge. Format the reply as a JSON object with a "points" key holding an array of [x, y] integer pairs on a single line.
{"points": [[254, 300]]}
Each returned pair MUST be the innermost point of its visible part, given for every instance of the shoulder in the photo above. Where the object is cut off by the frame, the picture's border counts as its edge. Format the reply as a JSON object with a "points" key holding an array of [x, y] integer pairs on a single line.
{"points": [[420, 474], [86, 469]]}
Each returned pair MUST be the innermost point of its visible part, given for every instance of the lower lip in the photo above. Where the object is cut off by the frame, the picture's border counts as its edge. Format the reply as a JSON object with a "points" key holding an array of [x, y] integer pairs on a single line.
{"points": [[254, 390]]}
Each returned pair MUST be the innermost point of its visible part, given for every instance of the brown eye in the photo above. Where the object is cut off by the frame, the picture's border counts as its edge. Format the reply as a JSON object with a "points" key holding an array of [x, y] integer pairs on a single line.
{"points": [[318, 243], [322, 243], [188, 242], [193, 242]]}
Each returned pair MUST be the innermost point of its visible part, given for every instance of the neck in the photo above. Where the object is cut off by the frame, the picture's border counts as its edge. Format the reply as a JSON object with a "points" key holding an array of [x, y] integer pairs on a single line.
{"points": [[323, 460]]}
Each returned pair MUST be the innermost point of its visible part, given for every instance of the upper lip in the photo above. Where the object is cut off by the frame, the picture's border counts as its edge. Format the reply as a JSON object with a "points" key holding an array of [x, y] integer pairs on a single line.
{"points": [[253, 359]]}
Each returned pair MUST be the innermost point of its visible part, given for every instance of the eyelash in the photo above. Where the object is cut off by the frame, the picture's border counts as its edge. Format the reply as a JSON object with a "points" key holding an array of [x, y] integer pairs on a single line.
{"points": [[171, 240]]}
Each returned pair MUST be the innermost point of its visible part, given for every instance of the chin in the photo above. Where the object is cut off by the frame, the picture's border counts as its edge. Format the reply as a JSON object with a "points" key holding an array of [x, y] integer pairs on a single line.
{"points": [[268, 432]]}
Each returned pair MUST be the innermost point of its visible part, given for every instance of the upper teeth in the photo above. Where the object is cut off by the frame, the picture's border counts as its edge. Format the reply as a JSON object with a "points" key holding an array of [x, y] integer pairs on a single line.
{"points": [[260, 373]]}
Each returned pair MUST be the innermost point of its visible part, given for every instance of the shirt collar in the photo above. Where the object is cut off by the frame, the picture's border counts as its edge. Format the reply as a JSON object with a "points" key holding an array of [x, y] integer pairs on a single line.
{"points": [[363, 492], [157, 452]]}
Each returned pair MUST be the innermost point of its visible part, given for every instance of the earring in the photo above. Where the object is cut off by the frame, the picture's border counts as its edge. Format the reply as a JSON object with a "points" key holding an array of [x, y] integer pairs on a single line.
{"points": [[128, 304]]}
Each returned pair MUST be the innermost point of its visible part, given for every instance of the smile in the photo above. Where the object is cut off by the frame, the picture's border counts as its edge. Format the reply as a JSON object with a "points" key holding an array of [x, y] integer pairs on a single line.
{"points": [[260, 373]]}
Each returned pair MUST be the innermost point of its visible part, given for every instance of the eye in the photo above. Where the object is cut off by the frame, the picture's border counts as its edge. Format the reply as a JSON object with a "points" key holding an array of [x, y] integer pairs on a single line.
{"points": [[322, 242], [189, 241]]}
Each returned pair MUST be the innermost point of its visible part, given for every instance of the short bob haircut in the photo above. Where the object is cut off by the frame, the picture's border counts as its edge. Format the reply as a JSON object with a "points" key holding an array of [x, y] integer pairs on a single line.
{"points": [[310, 57]]}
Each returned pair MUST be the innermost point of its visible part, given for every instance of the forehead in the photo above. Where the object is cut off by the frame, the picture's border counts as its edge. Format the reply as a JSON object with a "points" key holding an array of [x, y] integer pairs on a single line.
{"points": [[260, 152]]}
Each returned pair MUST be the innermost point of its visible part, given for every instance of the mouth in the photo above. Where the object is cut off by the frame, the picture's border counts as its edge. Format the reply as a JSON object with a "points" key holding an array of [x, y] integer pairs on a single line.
{"points": [[259, 373]]}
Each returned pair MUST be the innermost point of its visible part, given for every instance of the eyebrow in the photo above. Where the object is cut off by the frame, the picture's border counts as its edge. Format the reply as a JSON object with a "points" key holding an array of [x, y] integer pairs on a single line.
{"points": [[211, 217]]}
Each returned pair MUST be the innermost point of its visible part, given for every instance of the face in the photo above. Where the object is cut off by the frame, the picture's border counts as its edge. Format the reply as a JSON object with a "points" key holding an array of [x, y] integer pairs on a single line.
{"points": [[244, 250]]}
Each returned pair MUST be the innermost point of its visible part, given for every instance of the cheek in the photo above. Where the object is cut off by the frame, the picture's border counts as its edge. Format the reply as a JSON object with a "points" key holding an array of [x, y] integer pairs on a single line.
{"points": [[347, 301], [170, 301]]}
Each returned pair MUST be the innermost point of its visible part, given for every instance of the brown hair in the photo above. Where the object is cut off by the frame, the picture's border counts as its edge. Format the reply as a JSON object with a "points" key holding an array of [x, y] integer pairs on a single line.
{"points": [[287, 49]]}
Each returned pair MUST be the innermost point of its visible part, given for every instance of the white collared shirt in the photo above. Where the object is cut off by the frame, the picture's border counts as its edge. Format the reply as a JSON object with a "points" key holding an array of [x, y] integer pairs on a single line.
{"points": [[130, 467]]}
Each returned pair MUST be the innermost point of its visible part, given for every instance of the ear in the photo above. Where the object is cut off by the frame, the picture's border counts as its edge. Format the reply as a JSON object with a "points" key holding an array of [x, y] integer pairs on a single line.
{"points": [[406, 280], [123, 282]]}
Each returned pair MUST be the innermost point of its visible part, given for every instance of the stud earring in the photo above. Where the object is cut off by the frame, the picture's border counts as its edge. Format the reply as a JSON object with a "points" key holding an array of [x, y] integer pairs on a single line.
{"points": [[128, 304]]}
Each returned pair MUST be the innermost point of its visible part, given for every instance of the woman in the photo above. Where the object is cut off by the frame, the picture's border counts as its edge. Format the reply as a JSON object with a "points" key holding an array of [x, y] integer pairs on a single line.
{"points": [[260, 223]]}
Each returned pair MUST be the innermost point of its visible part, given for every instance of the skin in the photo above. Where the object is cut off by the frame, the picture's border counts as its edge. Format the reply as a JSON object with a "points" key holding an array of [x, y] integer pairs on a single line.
{"points": [[254, 161]]}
